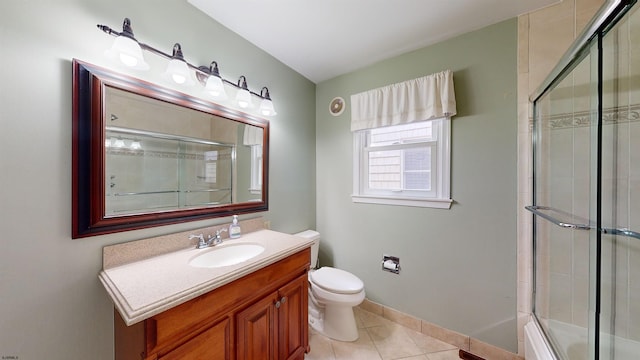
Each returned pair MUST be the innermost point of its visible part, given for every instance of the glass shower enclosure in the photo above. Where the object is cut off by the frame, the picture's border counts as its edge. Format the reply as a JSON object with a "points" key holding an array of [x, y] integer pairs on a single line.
{"points": [[586, 205]]}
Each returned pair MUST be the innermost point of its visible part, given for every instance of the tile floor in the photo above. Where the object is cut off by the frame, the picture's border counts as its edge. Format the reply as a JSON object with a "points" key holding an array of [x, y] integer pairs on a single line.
{"points": [[380, 339]]}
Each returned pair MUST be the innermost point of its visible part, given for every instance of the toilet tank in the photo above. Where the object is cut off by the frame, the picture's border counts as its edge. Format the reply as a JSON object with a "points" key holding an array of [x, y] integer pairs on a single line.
{"points": [[315, 236]]}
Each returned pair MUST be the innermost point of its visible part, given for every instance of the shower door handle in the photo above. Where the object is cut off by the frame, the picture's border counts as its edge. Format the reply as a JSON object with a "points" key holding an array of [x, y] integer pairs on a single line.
{"points": [[539, 210]]}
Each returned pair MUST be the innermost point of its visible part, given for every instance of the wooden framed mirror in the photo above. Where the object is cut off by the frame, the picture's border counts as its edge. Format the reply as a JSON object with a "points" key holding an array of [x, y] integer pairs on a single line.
{"points": [[144, 155]]}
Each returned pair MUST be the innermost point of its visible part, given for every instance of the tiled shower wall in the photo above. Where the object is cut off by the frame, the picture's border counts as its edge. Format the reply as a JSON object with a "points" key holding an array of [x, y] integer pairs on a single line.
{"points": [[543, 37]]}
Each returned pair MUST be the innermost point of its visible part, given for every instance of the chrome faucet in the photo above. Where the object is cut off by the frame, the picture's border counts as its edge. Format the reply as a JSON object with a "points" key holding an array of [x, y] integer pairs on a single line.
{"points": [[211, 240], [201, 242], [215, 240]]}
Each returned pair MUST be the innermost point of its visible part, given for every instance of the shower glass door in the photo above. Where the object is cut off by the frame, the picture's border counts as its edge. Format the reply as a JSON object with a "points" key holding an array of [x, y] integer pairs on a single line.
{"points": [[564, 130], [587, 198]]}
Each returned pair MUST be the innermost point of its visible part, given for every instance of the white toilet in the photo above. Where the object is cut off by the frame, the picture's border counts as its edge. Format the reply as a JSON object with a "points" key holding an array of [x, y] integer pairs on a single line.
{"points": [[332, 295]]}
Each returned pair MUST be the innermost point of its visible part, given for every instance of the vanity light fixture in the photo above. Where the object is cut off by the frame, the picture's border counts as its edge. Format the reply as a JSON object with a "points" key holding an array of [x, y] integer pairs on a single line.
{"points": [[266, 105], [213, 83], [126, 48], [179, 70], [243, 97]]}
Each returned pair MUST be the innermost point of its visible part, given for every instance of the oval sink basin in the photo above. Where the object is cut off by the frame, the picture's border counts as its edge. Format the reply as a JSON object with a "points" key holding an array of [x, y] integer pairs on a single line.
{"points": [[227, 255]]}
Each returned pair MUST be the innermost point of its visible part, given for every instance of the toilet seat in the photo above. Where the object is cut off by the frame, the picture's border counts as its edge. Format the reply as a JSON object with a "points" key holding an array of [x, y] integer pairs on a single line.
{"points": [[336, 281]]}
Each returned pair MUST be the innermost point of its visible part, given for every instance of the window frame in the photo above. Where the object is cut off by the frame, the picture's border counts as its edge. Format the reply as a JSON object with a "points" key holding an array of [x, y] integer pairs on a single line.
{"points": [[440, 195]]}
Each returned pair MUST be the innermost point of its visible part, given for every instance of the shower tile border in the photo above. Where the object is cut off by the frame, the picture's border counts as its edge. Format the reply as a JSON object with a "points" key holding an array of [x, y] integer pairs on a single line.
{"points": [[617, 115]]}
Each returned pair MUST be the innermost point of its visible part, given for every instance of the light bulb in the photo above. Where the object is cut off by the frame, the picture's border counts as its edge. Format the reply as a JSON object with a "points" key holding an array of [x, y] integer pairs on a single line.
{"points": [[178, 72], [243, 98], [128, 52], [215, 87], [266, 108], [178, 78], [128, 60]]}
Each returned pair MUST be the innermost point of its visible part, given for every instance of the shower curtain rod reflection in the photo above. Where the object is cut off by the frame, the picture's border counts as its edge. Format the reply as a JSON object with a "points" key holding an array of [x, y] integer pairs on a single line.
{"points": [[538, 210], [158, 135]]}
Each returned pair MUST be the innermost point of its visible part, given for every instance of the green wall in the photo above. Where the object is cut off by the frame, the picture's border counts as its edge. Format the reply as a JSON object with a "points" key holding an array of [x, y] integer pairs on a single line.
{"points": [[52, 305], [458, 265]]}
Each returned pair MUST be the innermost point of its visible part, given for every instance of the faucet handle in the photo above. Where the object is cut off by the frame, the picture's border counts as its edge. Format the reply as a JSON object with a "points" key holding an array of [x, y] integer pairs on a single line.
{"points": [[200, 238], [217, 239]]}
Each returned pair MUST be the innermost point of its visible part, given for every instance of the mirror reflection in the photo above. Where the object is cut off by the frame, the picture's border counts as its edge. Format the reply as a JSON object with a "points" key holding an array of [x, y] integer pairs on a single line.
{"points": [[154, 163]]}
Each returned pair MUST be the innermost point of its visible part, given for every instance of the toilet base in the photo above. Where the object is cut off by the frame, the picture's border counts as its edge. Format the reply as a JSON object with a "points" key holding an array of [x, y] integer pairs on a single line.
{"points": [[340, 323], [335, 322]]}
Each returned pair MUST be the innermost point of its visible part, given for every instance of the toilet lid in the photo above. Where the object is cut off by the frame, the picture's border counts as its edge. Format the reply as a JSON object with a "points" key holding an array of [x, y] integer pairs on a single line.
{"points": [[337, 281]]}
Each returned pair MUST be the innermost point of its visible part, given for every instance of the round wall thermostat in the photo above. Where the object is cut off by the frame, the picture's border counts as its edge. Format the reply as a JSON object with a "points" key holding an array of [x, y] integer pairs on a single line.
{"points": [[336, 106]]}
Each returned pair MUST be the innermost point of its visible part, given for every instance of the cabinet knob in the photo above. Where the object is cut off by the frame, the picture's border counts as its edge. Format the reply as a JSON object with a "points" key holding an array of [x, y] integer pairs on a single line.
{"points": [[283, 300], [278, 304]]}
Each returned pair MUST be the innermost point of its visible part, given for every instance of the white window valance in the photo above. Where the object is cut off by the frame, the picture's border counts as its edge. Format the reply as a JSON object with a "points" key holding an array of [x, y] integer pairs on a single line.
{"points": [[425, 98]]}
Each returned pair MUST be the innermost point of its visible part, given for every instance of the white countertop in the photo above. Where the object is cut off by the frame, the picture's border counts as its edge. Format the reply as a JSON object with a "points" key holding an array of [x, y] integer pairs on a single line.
{"points": [[148, 287]]}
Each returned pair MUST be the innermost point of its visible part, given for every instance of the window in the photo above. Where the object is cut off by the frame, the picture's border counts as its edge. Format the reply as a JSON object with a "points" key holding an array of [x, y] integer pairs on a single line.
{"points": [[253, 138], [404, 164], [401, 142], [256, 169]]}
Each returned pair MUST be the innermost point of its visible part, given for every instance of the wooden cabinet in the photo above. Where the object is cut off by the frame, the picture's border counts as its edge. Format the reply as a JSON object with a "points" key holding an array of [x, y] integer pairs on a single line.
{"points": [[293, 331], [262, 315], [257, 330], [276, 326], [211, 344]]}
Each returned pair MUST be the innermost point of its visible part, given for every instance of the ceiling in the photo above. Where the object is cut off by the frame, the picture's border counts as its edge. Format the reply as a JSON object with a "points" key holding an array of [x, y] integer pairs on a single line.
{"points": [[327, 38]]}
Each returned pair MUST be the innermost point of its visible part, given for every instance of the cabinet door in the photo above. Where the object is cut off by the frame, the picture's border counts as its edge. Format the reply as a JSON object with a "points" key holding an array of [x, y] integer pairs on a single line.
{"points": [[292, 320], [256, 336], [212, 344]]}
